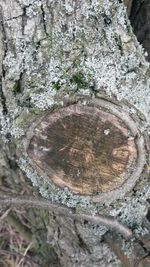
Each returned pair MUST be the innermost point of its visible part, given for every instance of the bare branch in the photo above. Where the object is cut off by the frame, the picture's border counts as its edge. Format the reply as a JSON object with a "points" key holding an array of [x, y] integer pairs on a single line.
{"points": [[15, 253], [108, 221]]}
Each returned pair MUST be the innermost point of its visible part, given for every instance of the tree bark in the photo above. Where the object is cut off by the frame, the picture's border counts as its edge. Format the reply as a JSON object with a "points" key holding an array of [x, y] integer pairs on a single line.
{"points": [[55, 55]]}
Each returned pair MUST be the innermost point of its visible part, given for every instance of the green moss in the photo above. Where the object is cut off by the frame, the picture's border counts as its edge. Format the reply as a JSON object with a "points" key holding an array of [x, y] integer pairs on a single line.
{"points": [[79, 79], [76, 63], [17, 88], [56, 85]]}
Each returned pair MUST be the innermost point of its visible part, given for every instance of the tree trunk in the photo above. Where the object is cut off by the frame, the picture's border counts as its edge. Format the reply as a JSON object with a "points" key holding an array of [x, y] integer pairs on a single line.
{"points": [[74, 109]]}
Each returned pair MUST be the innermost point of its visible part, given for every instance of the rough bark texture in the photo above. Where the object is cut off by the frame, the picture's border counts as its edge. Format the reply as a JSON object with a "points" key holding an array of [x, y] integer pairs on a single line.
{"points": [[140, 16], [56, 53]]}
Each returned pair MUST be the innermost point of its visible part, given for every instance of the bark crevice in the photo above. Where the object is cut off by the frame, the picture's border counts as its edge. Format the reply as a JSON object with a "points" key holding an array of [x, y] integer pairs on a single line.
{"points": [[2, 76]]}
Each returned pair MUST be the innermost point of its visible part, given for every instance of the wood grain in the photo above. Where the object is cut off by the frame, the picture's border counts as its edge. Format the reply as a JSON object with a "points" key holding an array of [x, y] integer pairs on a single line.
{"points": [[83, 148]]}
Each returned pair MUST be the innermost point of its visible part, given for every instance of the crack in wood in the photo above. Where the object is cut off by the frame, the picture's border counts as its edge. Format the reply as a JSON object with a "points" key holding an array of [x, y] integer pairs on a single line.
{"points": [[43, 20], [3, 98], [16, 17], [5, 49], [82, 244], [24, 19], [4, 39]]}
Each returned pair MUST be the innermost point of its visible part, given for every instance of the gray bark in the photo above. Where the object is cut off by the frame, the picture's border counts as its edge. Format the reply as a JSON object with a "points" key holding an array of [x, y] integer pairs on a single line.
{"points": [[43, 43]]}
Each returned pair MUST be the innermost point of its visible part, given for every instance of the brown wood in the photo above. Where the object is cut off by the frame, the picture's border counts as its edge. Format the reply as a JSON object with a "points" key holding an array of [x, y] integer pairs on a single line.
{"points": [[128, 4], [51, 50], [84, 148]]}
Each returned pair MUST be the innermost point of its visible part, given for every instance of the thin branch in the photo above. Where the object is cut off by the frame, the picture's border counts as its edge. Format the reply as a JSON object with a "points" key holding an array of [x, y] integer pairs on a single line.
{"points": [[108, 221], [14, 253], [20, 228], [4, 215]]}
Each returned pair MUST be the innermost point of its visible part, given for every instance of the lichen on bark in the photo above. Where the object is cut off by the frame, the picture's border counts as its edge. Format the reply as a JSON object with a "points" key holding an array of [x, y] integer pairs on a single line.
{"points": [[57, 52]]}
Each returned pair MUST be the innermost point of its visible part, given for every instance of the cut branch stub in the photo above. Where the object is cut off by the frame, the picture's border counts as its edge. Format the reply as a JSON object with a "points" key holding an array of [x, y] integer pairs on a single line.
{"points": [[87, 149]]}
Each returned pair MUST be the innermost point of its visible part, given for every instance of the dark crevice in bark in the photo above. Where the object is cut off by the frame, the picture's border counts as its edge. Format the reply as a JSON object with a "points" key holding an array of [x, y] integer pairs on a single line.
{"points": [[24, 19], [81, 242], [11, 158], [13, 18], [43, 20], [2, 78], [136, 8], [119, 44], [12, 164], [5, 48], [18, 88], [140, 21], [3, 98], [107, 19], [148, 215], [30, 4], [24, 4]]}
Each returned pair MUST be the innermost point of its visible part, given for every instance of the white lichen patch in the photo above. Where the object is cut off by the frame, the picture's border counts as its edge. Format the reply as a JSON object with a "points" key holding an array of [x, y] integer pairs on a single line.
{"points": [[73, 48], [107, 132], [12, 8], [30, 2], [13, 64], [44, 100], [5, 126], [16, 132], [130, 211], [96, 43], [51, 192]]}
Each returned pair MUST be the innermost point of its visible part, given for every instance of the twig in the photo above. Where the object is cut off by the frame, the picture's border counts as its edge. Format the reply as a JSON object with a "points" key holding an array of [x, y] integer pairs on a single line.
{"points": [[20, 228], [14, 253], [4, 215], [108, 221], [25, 253]]}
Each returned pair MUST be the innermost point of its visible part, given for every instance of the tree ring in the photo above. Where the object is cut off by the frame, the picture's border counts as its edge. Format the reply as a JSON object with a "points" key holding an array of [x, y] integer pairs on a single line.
{"points": [[94, 149]]}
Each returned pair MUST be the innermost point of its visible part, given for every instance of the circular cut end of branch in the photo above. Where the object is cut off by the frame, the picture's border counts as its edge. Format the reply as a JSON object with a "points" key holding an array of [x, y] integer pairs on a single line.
{"points": [[88, 149]]}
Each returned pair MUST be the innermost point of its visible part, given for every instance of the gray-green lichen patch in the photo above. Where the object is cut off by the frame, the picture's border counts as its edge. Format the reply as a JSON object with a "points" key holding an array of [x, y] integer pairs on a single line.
{"points": [[125, 209], [52, 192], [130, 211], [90, 50], [73, 48]]}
